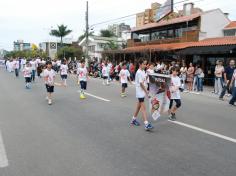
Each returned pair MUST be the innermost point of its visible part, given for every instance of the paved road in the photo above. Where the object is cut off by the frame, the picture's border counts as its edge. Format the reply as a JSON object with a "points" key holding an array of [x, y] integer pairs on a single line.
{"points": [[93, 138]]}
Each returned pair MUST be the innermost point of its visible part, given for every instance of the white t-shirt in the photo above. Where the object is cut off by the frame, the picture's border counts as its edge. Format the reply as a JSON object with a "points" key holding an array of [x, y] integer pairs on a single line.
{"points": [[105, 71], [140, 78], [174, 87], [38, 61], [58, 63], [33, 65], [27, 72], [16, 64], [50, 76], [149, 71], [64, 69], [124, 74], [82, 73]]}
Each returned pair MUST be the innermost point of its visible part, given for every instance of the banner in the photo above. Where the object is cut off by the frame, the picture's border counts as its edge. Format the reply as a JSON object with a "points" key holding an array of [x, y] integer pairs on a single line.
{"points": [[160, 94]]}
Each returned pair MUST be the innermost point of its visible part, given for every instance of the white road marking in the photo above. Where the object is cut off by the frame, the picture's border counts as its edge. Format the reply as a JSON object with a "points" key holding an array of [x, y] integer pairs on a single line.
{"points": [[97, 97], [205, 131], [3, 155]]}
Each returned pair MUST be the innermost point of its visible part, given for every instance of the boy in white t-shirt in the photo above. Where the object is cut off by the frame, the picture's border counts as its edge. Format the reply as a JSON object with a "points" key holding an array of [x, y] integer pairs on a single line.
{"points": [[82, 73], [141, 92], [64, 71], [124, 77], [49, 78], [27, 71], [105, 74], [175, 93]]}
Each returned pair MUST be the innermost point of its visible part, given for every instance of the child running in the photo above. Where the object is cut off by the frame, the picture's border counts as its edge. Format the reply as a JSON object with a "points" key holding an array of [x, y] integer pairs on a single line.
{"points": [[27, 72], [82, 78], [64, 72], [141, 92], [49, 78], [124, 77], [175, 93]]}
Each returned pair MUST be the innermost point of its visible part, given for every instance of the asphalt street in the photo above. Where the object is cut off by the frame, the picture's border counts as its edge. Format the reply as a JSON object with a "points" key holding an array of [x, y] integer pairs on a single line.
{"points": [[92, 137]]}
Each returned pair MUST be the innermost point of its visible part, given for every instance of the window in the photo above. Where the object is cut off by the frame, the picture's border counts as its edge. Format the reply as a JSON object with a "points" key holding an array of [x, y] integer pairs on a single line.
{"points": [[230, 32]]}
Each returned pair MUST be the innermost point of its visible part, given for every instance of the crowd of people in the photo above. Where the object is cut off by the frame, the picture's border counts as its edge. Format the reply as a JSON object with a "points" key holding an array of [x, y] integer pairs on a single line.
{"points": [[183, 78]]}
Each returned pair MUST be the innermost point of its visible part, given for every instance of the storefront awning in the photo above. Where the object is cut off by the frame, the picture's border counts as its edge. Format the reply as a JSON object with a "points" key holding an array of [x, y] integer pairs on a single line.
{"points": [[227, 49]]}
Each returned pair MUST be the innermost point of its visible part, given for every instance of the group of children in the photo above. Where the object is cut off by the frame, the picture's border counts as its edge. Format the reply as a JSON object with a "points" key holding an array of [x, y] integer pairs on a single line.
{"points": [[141, 84]]}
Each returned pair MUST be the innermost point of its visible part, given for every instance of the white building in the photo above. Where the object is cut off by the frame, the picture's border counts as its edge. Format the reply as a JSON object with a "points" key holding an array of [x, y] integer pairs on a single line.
{"points": [[51, 47], [212, 24], [96, 45]]}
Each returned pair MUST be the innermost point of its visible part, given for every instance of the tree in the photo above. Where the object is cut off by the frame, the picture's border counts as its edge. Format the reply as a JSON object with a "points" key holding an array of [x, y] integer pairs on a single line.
{"points": [[111, 45], [106, 33], [84, 35], [69, 51], [61, 32]]}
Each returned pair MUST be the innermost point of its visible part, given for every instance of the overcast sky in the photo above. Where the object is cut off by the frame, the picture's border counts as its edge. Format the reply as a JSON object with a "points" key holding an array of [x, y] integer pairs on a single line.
{"points": [[31, 20]]}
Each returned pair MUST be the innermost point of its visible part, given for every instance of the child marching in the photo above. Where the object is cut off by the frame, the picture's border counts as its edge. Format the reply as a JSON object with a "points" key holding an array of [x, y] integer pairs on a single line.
{"points": [[105, 74], [64, 72], [124, 77], [141, 93], [175, 93], [82, 73], [27, 72], [49, 78]]}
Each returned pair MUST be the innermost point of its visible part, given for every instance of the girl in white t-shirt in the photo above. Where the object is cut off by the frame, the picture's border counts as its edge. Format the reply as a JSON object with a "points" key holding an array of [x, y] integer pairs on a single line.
{"points": [[141, 93], [105, 74], [124, 78], [150, 70], [175, 93], [27, 71], [64, 72], [82, 73], [49, 78]]}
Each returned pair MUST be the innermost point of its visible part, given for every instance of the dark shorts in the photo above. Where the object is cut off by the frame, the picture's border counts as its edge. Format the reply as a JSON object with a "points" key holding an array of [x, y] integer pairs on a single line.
{"points": [[105, 77], [124, 85], [50, 89], [27, 79], [141, 100], [83, 85], [63, 77], [177, 101]]}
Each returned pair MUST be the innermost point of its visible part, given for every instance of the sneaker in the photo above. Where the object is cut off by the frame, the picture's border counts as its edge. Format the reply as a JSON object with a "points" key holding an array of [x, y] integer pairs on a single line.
{"points": [[172, 117], [135, 122], [221, 99], [49, 102], [82, 96], [148, 127]]}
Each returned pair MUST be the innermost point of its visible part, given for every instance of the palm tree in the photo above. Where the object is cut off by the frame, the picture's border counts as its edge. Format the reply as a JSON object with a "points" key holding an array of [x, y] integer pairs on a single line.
{"points": [[61, 32]]}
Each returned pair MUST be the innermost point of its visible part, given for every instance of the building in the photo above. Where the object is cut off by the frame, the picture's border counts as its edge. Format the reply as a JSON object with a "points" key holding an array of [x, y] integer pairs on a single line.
{"points": [[118, 29], [97, 44], [51, 47], [230, 29], [193, 37], [20, 45], [148, 16], [2, 53]]}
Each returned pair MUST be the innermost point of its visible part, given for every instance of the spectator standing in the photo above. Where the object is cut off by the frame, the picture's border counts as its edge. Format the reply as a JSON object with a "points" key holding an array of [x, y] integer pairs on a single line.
{"points": [[219, 70], [190, 75], [228, 74]]}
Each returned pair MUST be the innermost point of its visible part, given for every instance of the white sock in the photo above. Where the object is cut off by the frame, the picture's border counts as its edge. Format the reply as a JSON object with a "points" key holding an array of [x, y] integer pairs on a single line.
{"points": [[145, 122], [134, 118]]}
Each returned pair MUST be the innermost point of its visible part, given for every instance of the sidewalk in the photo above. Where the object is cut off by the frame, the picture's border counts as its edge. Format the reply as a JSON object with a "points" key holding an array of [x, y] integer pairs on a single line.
{"points": [[207, 91]]}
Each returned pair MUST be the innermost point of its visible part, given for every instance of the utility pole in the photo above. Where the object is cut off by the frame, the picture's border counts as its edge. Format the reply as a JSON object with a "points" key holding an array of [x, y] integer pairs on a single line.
{"points": [[87, 33]]}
